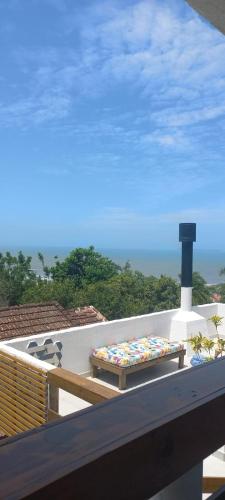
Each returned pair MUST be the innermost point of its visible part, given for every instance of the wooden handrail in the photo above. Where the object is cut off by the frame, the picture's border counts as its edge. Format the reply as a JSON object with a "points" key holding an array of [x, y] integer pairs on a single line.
{"points": [[80, 386], [212, 484], [131, 446], [218, 495], [53, 415]]}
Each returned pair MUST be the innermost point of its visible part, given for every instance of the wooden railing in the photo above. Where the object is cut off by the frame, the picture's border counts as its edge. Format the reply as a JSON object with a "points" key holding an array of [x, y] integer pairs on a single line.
{"points": [[129, 447], [80, 386], [211, 484], [29, 391], [23, 393], [74, 384], [218, 495]]}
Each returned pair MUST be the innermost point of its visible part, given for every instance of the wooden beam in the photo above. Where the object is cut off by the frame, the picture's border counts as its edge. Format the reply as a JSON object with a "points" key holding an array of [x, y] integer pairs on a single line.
{"points": [[53, 398], [218, 495], [212, 10], [52, 415], [211, 484], [131, 446], [80, 386]]}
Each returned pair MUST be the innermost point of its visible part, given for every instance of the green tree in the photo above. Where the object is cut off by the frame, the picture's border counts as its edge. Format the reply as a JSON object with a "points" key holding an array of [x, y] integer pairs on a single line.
{"points": [[45, 268], [166, 293], [122, 296], [221, 291], [16, 276], [84, 266], [63, 292], [130, 294], [201, 293]]}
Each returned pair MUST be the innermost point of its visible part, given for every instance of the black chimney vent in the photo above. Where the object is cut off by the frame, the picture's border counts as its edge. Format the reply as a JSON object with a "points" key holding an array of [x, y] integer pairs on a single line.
{"points": [[187, 234], [187, 231]]}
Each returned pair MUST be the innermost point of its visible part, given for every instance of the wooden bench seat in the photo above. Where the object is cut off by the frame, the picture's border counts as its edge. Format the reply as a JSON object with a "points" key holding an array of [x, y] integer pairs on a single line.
{"points": [[129, 357]]}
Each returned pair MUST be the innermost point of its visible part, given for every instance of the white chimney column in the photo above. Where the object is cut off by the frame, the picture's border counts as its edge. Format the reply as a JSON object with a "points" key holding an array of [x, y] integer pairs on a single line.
{"points": [[186, 298], [186, 322]]}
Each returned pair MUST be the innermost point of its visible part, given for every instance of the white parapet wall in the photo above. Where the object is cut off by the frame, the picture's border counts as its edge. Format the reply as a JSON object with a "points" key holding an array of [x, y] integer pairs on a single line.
{"points": [[78, 342], [189, 322]]}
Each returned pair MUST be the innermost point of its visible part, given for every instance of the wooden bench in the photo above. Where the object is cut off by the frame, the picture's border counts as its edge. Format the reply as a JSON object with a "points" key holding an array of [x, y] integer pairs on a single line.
{"points": [[122, 371]]}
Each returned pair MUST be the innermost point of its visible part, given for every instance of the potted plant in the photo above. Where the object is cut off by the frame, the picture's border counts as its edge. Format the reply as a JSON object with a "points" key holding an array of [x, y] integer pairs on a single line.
{"points": [[197, 345], [212, 348], [219, 342], [208, 345], [217, 321]]}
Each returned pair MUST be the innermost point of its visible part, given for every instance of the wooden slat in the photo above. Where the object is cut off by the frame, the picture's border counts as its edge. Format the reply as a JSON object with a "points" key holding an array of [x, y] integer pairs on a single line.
{"points": [[211, 484], [37, 395], [15, 418], [27, 385], [17, 427], [13, 355], [32, 373], [6, 429], [25, 412], [29, 370], [23, 363], [34, 405], [23, 395], [23, 417], [34, 411], [79, 386], [129, 447], [27, 377]]}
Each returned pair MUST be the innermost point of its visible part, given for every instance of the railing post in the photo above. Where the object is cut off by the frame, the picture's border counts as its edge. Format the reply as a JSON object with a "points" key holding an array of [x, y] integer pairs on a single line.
{"points": [[53, 398]]}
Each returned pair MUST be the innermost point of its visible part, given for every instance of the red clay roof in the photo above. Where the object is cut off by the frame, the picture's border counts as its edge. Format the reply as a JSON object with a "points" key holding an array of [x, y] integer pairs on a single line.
{"points": [[84, 316], [32, 319]]}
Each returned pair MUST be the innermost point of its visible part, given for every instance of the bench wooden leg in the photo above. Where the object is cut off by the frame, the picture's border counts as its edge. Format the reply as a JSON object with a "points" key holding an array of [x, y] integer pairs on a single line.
{"points": [[181, 361], [94, 371], [122, 380]]}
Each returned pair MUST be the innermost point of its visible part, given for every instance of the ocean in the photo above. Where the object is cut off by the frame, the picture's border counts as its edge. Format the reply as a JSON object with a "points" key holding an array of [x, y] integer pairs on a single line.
{"points": [[149, 262]]}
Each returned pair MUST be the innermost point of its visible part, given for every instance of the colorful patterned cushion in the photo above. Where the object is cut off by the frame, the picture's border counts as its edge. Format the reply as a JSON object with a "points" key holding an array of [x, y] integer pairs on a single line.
{"points": [[137, 351]]}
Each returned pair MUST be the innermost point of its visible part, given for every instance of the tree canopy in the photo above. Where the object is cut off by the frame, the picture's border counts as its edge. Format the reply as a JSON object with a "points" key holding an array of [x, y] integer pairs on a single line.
{"points": [[16, 276], [201, 292], [86, 277], [84, 266]]}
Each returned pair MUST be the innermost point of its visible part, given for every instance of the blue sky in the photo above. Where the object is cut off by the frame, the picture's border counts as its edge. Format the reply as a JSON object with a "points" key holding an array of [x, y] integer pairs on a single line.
{"points": [[112, 121]]}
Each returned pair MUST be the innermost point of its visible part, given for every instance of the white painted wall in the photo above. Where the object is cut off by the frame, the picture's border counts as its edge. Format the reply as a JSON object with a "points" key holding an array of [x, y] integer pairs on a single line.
{"points": [[208, 310], [78, 342]]}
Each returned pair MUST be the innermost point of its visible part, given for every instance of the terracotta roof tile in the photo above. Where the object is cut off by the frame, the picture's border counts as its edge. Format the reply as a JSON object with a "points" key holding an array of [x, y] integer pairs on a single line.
{"points": [[32, 319], [84, 316]]}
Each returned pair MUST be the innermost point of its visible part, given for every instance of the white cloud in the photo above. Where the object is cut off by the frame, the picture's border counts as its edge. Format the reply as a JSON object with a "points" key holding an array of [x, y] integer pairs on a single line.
{"points": [[122, 218], [165, 53], [169, 118], [166, 138]]}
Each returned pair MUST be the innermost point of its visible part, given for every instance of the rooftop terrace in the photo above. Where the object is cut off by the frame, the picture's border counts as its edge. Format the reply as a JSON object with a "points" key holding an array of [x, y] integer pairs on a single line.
{"points": [[63, 357]]}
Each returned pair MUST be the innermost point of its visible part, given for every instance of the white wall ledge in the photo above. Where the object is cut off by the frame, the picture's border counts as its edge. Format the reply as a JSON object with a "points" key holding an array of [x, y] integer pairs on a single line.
{"points": [[78, 342]]}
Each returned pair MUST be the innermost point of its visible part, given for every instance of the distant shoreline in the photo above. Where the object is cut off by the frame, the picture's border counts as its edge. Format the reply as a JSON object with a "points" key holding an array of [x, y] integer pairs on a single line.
{"points": [[150, 262]]}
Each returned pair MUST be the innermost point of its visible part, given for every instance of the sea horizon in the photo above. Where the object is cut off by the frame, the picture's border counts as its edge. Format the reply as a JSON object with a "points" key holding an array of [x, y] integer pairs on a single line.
{"points": [[149, 261]]}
